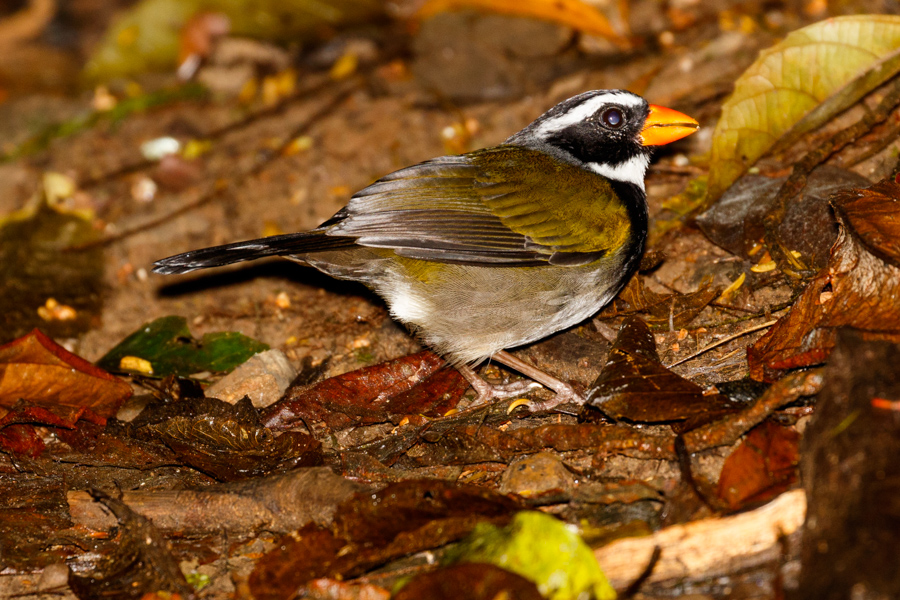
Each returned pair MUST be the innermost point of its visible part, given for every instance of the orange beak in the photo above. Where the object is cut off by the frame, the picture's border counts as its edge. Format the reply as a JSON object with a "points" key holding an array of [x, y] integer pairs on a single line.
{"points": [[664, 126]]}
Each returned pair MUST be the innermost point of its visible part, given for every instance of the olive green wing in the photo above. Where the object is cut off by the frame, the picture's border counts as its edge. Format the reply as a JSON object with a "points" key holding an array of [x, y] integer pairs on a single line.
{"points": [[485, 208], [572, 214]]}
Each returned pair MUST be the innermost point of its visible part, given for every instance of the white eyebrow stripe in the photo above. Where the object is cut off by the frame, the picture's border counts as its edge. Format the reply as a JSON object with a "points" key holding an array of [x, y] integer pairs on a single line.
{"points": [[585, 110], [632, 170]]}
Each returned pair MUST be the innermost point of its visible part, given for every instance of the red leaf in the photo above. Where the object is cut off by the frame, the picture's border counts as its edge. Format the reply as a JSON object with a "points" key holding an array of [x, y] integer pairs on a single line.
{"points": [[761, 467], [370, 395]]}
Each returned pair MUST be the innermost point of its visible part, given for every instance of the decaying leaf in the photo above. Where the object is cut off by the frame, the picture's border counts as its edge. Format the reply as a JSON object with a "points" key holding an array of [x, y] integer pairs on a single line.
{"points": [[225, 441], [229, 450], [411, 384], [663, 311], [469, 581], [635, 386], [798, 85], [36, 369], [857, 289], [168, 346], [18, 434], [761, 467], [874, 216], [736, 221], [372, 528]]}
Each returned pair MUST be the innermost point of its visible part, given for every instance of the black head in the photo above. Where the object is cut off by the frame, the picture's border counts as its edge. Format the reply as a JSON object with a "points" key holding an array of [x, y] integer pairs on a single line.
{"points": [[599, 130]]}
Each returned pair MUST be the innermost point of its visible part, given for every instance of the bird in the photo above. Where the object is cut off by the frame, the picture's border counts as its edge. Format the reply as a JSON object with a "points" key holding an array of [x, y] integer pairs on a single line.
{"points": [[494, 249]]}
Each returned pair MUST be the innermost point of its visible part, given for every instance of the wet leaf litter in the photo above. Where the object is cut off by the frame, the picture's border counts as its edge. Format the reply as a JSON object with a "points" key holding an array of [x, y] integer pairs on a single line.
{"points": [[370, 465]]}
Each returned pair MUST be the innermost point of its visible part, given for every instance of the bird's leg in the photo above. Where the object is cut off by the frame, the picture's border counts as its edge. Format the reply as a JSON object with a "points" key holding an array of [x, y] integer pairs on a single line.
{"points": [[486, 392], [564, 392]]}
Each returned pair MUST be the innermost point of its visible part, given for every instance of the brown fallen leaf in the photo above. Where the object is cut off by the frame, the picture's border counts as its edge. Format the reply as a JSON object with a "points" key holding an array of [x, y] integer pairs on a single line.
{"points": [[230, 450], [469, 581], [43, 373], [662, 311], [372, 394], [763, 466], [634, 385], [736, 221], [17, 428], [858, 288], [225, 441], [874, 216], [372, 528]]}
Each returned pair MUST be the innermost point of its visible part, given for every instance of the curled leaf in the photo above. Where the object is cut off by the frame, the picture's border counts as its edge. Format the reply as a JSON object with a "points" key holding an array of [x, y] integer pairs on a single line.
{"points": [[859, 288], [798, 85]]}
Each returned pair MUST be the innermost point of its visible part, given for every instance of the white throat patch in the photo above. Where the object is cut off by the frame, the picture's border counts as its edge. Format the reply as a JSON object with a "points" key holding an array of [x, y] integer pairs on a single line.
{"points": [[584, 110], [632, 170]]}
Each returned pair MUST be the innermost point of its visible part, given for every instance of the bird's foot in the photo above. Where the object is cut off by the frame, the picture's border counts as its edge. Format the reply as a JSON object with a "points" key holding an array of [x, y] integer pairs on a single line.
{"points": [[486, 393], [565, 394]]}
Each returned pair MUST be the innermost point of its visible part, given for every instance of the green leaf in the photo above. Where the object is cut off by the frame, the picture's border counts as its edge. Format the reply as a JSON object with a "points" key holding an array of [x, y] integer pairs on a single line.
{"points": [[798, 85], [167, 344], [542, 549]]}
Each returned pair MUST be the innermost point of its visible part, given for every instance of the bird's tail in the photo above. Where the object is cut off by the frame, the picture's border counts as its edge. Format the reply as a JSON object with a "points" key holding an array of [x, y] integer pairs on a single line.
{"points": [[278, 245]]}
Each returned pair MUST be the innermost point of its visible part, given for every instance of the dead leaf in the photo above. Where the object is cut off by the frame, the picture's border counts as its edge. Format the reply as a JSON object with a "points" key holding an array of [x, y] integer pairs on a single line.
{"points": [[736, 221], [761, 467], [17, 433], [874, 216], [372, 528], [857, 289], [469, 581], [635, 386], [371, 395], [43, 373]]}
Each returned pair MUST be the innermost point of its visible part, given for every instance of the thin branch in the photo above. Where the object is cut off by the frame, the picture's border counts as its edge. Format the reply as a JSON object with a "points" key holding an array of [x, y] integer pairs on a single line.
{"points": [[724, 340]]}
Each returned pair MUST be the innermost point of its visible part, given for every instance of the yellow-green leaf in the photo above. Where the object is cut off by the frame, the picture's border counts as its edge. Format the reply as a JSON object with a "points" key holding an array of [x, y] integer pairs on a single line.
{"points": [[799, 84]]}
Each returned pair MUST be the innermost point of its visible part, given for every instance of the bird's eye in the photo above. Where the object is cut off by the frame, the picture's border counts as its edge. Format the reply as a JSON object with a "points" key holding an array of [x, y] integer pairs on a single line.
{"points": [[613, 118]]}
